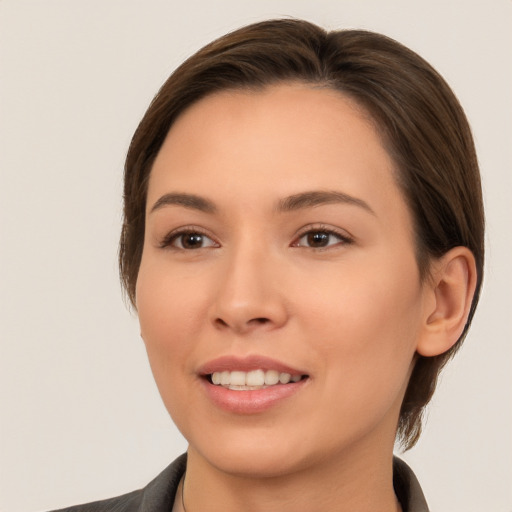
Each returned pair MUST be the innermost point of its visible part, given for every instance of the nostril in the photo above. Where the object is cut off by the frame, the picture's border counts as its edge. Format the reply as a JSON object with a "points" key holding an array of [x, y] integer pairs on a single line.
{"points": [[260, 320], [220, 323]]}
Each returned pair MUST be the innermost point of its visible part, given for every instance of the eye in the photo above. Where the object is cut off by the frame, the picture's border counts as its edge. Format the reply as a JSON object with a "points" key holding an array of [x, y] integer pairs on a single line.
{"points": [[321, 238], [188, 240]]}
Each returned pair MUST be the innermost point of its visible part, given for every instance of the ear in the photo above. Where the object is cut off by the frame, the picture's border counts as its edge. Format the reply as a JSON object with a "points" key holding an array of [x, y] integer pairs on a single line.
{"points": [[450, 291]]}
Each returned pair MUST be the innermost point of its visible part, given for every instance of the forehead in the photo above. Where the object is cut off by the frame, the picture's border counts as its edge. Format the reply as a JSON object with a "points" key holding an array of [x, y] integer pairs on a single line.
{"points": [[271, 143], [304, 111]]}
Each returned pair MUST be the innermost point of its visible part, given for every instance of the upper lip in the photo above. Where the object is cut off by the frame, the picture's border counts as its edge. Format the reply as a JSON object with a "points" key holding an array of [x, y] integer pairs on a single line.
{"points": [[246, 364]]}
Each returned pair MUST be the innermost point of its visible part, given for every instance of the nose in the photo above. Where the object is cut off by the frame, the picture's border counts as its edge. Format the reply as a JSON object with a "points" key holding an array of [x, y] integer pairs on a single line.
{"points": [[249, 296]]}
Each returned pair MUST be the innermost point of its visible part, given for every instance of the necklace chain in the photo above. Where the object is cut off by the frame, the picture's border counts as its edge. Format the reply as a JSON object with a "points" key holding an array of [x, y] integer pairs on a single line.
{"points": [[183, 492]]}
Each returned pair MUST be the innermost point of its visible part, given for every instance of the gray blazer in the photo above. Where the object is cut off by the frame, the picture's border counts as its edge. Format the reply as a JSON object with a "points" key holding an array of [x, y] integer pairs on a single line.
{"points": [[158, 495]]}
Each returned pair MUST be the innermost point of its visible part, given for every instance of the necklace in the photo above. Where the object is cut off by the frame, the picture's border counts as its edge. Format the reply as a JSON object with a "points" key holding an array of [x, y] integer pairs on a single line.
{"points": [[183, 492]]}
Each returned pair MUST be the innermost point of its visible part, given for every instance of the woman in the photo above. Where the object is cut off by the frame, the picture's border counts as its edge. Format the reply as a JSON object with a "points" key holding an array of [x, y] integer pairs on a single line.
{"points": [[303, 243]]}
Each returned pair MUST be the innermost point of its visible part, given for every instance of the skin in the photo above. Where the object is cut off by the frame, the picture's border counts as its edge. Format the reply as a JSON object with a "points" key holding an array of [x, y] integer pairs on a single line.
{"points": [[350, 315]]}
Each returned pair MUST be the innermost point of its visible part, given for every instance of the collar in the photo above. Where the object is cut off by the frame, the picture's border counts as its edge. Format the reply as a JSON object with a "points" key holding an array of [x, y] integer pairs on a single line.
{"points": [[407, 488], [159, 494]]}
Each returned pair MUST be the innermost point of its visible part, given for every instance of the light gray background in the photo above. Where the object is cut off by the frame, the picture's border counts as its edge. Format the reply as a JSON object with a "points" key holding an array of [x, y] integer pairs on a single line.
{"points": [[81, 418]]}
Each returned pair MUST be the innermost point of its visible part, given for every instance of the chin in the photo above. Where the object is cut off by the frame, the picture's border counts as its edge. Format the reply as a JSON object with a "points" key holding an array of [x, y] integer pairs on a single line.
{"points": [[255, 462], [257, 452]]}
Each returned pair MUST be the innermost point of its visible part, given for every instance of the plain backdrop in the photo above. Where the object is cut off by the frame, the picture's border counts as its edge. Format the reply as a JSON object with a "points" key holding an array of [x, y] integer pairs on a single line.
{"points": [[81, 418]]}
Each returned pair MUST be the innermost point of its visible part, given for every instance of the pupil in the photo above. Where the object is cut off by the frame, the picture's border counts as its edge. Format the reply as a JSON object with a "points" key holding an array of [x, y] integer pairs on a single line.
{"points": [[318, 239], [192, 240]]}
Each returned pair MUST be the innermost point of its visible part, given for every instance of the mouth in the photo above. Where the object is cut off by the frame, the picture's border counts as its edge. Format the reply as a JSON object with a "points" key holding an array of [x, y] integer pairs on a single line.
{"points": [[239, 380], [252, 384]]}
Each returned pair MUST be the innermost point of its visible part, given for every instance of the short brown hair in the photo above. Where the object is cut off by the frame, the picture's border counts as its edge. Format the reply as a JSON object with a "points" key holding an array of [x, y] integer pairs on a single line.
{"points": [[420, 121]]}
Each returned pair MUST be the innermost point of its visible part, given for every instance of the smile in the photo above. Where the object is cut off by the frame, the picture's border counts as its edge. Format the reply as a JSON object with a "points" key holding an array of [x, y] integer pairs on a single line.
{"points": [[238, 380], [251, 384]]}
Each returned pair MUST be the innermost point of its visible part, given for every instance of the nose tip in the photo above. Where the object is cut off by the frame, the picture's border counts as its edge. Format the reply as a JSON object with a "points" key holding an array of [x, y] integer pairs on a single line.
{"points": [[249, 295], [241, 326]]}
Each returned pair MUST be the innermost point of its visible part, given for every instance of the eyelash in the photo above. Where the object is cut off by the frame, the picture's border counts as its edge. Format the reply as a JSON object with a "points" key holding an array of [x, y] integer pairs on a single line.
{"points": [[343, 238], [173, 236]]}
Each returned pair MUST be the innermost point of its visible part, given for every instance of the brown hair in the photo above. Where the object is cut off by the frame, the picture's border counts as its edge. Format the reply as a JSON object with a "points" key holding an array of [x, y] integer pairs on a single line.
{"points": [[420, 120]]}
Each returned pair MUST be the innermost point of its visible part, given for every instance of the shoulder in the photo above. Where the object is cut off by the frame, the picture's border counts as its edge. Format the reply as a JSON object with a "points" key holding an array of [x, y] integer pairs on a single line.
{"points": [[126, 503], [157, 496], [407, 488]]}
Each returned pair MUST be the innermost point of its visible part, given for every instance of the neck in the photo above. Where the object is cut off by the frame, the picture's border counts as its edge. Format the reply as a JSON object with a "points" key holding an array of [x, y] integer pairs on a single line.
{"points": [[364, 484]]}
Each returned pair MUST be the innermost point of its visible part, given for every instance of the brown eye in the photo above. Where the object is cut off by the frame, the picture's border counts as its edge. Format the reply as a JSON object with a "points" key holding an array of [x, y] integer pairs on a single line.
{"points": [[320, 239], [189, 240]]}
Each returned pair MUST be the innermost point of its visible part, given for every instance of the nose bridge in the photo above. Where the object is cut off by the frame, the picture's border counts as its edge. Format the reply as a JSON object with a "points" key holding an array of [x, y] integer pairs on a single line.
{"points": [[248, 292]]}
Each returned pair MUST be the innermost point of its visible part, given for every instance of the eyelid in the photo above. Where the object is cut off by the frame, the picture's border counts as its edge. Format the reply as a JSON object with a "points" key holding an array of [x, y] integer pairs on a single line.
{"points": [[167, 241], [169, 238], [344, 236]]}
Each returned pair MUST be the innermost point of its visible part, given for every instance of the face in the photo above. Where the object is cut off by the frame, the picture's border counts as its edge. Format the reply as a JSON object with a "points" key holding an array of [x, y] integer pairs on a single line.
{"points": [[279, 296]]}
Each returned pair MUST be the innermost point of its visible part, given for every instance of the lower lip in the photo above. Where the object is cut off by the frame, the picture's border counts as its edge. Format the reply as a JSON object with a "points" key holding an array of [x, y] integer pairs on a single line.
{"points": [[251, 401]]}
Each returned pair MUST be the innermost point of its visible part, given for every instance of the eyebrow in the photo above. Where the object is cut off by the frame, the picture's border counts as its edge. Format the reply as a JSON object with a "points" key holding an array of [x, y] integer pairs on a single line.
{"points": [[288, 204], [319, 198], [186, 200]]}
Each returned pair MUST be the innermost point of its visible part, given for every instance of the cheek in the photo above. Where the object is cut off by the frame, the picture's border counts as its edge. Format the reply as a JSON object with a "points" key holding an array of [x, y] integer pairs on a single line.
{"points": [[366, 328], [166, 299], [168, 311], [367, 301]]}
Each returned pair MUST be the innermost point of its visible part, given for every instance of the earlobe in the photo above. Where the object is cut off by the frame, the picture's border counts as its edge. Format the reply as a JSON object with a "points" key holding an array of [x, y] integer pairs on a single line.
{"points": [[451, 288]]}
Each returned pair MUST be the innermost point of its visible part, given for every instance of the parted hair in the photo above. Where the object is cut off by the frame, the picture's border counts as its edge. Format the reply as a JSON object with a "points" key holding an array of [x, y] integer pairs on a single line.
{"points": [[419, 119]]}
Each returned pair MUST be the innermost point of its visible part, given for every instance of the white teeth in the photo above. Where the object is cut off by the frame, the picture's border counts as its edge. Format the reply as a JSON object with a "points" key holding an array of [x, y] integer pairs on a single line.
{"points": [[255, 379], [271, 377], [284, 378], [237, 378]]}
